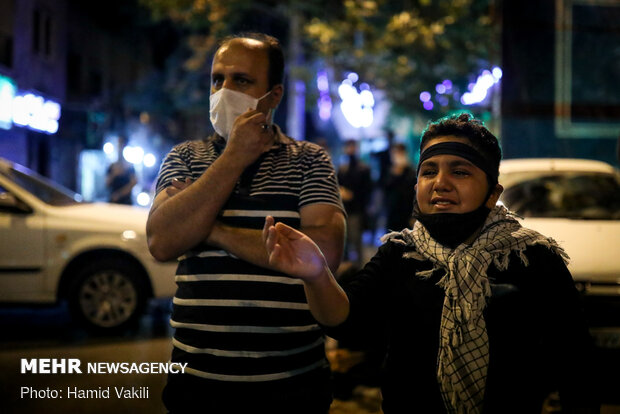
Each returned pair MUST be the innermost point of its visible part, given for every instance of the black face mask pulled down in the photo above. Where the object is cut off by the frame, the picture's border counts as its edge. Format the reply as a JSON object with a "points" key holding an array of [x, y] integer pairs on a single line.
{"points": [[452, 229]]}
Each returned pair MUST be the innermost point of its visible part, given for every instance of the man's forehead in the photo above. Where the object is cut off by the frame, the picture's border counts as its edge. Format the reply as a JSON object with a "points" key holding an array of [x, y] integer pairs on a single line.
{"points": [[242, 43], [238, 57]]}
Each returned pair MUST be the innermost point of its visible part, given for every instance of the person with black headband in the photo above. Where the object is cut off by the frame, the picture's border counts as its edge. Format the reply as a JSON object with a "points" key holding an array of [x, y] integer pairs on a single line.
{"points": [[481, 314]]}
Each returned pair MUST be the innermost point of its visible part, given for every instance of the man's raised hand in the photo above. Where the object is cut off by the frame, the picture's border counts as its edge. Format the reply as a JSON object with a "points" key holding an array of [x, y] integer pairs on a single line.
{"points": [[292, 252]]}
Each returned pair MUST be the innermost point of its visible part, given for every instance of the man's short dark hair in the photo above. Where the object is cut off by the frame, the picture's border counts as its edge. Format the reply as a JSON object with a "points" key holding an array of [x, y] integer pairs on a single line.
{"points": [[274, 53], [466, 126]]}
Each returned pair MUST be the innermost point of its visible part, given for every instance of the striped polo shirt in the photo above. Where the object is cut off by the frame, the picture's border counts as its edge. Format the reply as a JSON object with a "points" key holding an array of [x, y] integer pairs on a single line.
{"points": [[237, 322]]}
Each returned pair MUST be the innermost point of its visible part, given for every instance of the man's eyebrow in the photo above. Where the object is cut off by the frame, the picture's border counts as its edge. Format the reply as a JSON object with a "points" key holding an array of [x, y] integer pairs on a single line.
{"points": [[429, 163], [242, 74], [454, 163], [234, 74], [461, 162]]}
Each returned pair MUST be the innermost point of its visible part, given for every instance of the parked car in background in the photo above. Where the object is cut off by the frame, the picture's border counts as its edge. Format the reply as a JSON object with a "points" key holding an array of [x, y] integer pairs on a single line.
{"points": [[577, 202], [55, 247]]}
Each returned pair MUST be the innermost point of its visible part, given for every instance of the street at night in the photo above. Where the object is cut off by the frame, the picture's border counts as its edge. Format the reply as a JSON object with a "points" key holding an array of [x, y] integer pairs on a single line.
{"points": [[198, 196]]}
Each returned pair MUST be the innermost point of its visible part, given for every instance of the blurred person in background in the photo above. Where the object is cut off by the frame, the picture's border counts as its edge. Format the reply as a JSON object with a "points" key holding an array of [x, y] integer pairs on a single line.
{"points": [[482, 314], [321, 142], [384, 157], [355, 189], [399, 190], [121, 176], [382, 162], [244, 328]]}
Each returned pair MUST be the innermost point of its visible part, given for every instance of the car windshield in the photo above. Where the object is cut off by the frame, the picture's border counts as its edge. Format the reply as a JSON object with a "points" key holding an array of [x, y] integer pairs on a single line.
{"points": [[593, 196], [39, 186]]}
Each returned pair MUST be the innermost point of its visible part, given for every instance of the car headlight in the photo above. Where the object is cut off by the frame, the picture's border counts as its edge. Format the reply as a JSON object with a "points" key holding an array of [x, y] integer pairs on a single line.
{"points": [[129, 235]]}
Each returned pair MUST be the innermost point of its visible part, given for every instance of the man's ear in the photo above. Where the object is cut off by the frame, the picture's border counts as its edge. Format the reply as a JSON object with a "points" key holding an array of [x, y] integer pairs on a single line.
{"points": [[497, 191], [276, 95]]}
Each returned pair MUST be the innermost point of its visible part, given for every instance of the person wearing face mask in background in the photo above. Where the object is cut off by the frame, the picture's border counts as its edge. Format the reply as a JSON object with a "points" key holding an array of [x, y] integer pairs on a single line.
{"points": [[399, 193], [243, 328], [482, 314]]}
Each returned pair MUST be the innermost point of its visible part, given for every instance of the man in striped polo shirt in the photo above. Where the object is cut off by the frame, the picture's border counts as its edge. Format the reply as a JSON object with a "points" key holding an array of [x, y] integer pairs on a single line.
{"points": [[244, 329]]}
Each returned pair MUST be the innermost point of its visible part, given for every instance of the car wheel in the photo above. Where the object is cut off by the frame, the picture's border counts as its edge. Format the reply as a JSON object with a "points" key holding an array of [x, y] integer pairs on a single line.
{"points": [[107, 295]]}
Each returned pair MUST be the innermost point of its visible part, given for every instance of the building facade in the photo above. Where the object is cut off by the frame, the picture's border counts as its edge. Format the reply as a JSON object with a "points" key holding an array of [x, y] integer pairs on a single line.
{"points": [[560, 90], [83, 57]]}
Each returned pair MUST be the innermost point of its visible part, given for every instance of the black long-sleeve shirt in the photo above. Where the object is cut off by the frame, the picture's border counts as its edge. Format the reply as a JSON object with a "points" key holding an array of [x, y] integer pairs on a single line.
{"points": [[538, 337]]}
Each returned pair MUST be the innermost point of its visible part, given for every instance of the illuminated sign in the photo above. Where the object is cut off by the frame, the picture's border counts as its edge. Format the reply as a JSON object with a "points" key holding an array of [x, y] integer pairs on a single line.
{"points": [[26, 110], [7, 93], [35, 112]]}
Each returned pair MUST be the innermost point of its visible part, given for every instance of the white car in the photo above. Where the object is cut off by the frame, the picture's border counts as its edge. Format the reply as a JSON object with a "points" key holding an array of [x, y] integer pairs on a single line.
{"points": [[54, 247], [577, 202]]}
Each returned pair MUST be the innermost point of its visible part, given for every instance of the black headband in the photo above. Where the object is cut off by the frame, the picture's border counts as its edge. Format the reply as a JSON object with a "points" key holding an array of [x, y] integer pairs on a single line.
{"points": [[460, 150]]}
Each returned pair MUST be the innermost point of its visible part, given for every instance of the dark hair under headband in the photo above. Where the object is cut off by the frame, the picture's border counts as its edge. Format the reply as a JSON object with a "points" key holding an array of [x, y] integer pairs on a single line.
{"points": [[460, 150]]}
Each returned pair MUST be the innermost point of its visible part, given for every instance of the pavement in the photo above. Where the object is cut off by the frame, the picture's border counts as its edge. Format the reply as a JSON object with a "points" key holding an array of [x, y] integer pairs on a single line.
{"points": [[48, 333]]}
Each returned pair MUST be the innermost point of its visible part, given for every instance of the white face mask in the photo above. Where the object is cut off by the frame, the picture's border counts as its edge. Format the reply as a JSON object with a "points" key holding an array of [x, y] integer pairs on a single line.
{"points": [[226, 105]]}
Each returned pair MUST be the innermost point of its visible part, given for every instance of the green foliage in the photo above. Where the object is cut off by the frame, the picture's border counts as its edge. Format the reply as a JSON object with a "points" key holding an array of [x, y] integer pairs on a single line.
{"points": [[401, 47], [407, 47]]}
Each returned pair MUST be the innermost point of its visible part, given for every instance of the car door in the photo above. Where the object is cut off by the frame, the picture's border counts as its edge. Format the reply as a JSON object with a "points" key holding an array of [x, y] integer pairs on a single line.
{"points": [[581, 211], [592, 246], [22, 250]]}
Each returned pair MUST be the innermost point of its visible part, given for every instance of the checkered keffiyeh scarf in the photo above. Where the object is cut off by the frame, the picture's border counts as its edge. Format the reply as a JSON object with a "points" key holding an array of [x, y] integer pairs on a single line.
{"points": [[463, 356]]}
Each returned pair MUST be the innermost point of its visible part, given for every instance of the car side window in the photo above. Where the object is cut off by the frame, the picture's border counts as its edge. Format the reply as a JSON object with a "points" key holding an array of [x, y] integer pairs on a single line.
{"points": [[9, 204], [6, 199], [579, 196], [4, 196]]}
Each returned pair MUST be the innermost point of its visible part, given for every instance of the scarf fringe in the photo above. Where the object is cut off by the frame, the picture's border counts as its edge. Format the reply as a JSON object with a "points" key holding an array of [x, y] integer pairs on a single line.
{"points": [[425, 274], [501, 259], [393, 236]]}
